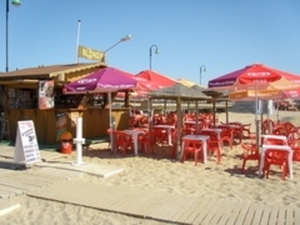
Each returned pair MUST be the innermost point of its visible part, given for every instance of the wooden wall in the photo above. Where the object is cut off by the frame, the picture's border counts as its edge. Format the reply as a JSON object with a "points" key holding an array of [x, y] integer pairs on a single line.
{"points": [[95, 122]]}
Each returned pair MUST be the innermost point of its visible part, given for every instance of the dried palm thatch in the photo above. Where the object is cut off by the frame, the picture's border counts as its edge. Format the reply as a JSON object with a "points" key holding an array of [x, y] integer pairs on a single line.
{"points": [[178, 91]]}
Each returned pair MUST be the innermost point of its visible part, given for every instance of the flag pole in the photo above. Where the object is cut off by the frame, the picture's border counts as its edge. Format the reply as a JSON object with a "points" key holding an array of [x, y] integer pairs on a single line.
{"points": [[77, 40]]}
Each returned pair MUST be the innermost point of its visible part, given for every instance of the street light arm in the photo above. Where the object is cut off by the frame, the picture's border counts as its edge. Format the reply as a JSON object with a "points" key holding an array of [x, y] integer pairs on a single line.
{"points": [[150, 54], [126, 38]]}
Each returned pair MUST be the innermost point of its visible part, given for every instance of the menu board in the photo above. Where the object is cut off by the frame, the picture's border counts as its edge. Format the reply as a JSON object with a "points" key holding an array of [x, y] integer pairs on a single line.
{"points": [[26, 149]]}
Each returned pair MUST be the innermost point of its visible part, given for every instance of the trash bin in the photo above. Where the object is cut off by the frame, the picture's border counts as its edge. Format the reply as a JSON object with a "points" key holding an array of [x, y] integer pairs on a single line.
{"points": [[66, 142]]}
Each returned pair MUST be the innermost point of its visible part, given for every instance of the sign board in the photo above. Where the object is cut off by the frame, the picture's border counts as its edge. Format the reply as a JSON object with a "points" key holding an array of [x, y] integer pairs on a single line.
{"points": [[46, 94], [91, 54], [26, 149]]}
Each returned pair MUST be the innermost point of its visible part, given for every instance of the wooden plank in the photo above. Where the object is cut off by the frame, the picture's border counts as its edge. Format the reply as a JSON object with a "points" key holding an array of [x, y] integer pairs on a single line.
{"points": [[14, 184], [242, 213], [281, 216], [273, 215], [154, 207], [32, 179], [58, 173], [250, 215], [46, 176], [12, 190], [289, 216], [297, 216], [150, 212], [226, 213], [163, 207], [259, 208], [218, 213], [186, 206], [266, 215], [232, 212], [194, 210], [174, 206], [6, 194], [201, 214], [139, 201]]}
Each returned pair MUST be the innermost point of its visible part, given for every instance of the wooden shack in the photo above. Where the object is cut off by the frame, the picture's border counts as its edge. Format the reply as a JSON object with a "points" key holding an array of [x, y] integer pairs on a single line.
{"points": [[20, 101]]}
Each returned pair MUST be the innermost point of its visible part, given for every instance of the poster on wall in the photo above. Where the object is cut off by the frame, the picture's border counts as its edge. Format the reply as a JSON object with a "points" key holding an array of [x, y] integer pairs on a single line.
{"points": [[74, 116], [46, 94], [61, 124]]}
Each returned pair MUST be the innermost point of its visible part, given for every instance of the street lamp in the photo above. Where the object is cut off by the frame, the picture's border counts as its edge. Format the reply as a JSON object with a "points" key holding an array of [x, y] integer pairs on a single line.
{"points": [[15, 3], [150, 54], [202, 68], [128, 37]]}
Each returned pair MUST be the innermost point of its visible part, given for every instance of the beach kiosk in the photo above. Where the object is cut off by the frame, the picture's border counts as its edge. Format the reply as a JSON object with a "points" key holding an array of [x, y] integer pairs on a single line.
{"points": [[37, 94]]}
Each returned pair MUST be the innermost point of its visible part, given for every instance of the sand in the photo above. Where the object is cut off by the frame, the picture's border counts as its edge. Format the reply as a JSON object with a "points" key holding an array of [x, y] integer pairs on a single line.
{"points": [[160, 173]]}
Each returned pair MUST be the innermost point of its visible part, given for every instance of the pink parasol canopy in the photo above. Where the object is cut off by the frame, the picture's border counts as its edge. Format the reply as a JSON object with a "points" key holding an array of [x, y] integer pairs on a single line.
{"points": [[256, 75], [106, 79]]}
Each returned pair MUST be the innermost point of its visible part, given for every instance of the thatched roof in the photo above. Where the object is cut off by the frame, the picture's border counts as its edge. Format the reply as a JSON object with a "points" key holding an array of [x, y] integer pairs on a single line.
{"points": [[178, 91], [220, 94], [46, 72]]}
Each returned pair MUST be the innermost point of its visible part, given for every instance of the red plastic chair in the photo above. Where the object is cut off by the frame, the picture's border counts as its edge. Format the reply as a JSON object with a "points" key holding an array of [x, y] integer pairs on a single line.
{"points": [[278, 158], [227, 135], [188, 130], [147, 140], [123, 142], [238, 131], [193, 147], [281, 130], [295, 146], [214, 144], [175, 144], [267, 126], [250, 152], [289, 126], [161, 135], [246, 130]]}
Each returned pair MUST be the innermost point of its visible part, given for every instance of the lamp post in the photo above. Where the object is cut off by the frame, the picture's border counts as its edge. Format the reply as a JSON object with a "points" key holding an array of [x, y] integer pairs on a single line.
{"points": [[150, 54], [202, 69], [15, 3], [128, 37]]}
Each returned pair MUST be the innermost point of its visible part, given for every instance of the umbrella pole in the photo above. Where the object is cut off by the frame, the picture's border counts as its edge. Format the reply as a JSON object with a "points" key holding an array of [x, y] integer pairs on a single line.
{"points": [[257, 109], [227, 116], [179, 119], [149, 114], [111, 122], [197, 117], [214, 111]]}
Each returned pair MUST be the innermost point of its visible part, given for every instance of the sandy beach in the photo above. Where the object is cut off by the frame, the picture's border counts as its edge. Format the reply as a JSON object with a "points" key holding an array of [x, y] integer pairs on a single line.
{"points": [[158, 172]]}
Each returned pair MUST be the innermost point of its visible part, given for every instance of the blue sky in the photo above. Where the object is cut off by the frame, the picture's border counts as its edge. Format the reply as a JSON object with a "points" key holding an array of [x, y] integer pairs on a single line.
{"points": [[222, 35]]}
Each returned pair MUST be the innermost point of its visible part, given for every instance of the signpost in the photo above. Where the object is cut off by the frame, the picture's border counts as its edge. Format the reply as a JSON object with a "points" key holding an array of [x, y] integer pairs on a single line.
{"points": [[26, 149], [91, 54]]}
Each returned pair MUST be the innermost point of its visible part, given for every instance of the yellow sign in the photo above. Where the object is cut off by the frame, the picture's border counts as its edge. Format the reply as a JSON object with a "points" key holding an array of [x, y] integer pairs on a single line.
{"points": [[91, 54]]}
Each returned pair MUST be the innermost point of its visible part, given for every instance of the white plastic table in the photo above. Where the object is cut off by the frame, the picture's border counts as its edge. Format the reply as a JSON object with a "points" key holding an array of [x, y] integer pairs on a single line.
{"points": [[202, 138], [273, 136], [277, 147], [218, 131], [134, 134], [169, 130]]}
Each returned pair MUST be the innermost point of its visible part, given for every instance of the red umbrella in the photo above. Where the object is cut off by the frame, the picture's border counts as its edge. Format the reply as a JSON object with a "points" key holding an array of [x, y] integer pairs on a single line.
{"points": [[256, 76], [162, 80], [143, 85]]}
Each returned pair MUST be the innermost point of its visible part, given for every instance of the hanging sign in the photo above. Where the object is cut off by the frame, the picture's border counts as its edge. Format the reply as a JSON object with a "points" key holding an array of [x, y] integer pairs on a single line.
{"points": [[26, 149], [91, 54]]}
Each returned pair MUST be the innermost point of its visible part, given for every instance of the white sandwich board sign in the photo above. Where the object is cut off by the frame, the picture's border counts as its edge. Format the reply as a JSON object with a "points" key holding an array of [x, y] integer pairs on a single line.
{"points": [[26, 149]]}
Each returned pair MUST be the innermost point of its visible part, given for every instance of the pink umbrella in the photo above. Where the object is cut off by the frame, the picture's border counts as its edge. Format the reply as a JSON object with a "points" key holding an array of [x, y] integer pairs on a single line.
{"points": [[107, 80]]}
